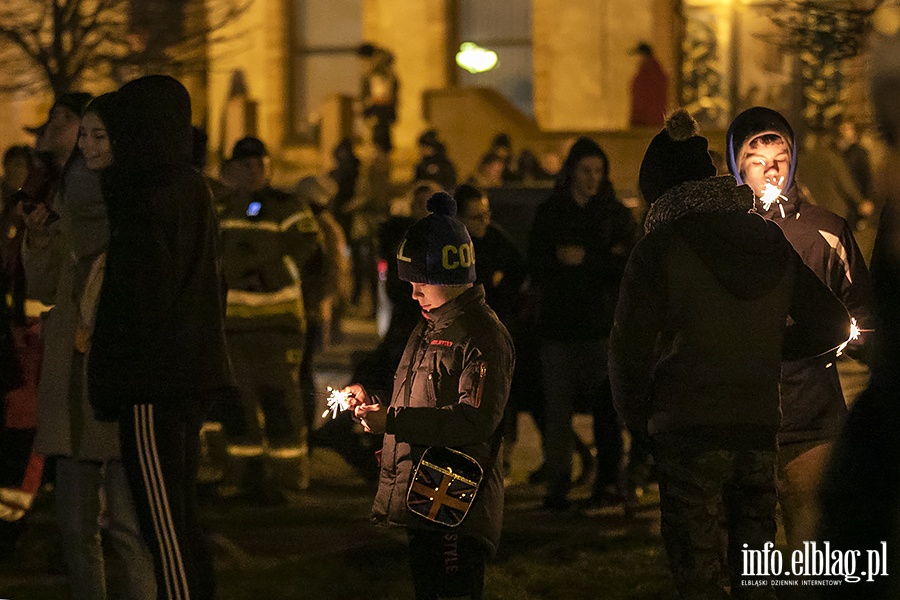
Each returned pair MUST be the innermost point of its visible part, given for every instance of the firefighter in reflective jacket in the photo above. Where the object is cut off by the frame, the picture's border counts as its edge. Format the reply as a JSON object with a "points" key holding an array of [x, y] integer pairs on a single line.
{"points": [[267, 235]]}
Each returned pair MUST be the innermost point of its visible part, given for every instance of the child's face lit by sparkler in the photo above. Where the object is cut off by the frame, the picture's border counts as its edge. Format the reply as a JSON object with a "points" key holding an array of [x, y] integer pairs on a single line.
{"points": [[431, 296], [765, 164]]}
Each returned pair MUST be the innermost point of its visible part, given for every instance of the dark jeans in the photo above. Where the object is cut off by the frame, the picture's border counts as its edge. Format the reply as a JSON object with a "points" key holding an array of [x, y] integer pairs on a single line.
{"points": [[446, 566], [800, 469], [161, 452], [80, 484], [573, 369], [699, 488]]}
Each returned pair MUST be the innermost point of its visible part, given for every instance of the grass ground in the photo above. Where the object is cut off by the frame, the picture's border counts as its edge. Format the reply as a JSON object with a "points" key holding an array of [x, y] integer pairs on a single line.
{"points": [[321, 546]]}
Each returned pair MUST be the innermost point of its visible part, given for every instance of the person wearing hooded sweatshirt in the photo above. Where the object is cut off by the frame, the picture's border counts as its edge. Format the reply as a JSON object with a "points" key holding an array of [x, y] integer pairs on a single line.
{"points": [[66, 271], [577, 250], [700, 330], [158, 355], [450, 390], [760, 152]]}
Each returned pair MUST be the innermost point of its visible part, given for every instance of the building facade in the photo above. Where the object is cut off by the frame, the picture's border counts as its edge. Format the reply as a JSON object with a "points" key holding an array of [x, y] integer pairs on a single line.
{"points": [[286, 69]]}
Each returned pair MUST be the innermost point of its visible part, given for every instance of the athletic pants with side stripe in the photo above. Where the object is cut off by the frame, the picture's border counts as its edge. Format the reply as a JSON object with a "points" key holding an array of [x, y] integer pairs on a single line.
{"points": [[160, 450]]}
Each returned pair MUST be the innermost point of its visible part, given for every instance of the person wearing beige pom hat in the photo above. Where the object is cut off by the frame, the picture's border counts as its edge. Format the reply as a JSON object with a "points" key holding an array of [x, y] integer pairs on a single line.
{"points": [[695, 355]]}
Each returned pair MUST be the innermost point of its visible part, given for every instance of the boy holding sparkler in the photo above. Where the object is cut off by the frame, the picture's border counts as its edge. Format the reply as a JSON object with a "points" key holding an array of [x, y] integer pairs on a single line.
{"points": [[761, 152], [450, 390]]}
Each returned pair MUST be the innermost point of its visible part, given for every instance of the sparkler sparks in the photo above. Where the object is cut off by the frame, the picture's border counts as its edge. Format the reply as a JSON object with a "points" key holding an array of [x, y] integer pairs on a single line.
{"points": [[772, 194], [337, 402], [854, 335]]}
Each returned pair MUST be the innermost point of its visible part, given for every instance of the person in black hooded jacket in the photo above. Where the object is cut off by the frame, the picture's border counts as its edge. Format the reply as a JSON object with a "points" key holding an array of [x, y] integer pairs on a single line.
{"points": [[761, 152], [577, 249], [860, 492], [158, 356], [695, 354]]}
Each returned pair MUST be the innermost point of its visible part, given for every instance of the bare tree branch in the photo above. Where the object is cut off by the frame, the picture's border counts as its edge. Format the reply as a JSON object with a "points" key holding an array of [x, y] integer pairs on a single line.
{"points": [[59, 43]]}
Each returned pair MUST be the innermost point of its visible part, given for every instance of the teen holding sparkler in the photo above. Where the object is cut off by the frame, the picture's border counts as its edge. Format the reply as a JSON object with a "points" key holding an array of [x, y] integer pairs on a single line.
{"points": [[450, 390], [761, 153], [695, 354]]}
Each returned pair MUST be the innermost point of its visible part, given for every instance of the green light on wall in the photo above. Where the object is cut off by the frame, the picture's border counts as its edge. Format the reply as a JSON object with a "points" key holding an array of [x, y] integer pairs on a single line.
{"points": [[475, 59]]}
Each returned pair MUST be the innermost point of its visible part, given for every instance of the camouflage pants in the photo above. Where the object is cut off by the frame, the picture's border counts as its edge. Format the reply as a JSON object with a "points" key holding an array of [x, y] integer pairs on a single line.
{"points": [[700, 491]]}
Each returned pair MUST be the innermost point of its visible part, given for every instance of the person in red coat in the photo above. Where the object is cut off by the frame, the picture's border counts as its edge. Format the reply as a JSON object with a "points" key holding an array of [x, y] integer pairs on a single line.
{"points": [[649, 90]]}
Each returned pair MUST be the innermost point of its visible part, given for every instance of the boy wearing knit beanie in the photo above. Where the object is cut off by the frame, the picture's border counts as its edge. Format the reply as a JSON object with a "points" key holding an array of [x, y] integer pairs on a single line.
{"points": [[450, 391], [695, 355]]}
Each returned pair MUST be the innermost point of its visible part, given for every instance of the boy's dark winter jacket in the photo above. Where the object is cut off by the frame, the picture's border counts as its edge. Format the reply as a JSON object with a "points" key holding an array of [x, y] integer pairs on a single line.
{"points": [[813, 404], [812, 401], [450, 390]]}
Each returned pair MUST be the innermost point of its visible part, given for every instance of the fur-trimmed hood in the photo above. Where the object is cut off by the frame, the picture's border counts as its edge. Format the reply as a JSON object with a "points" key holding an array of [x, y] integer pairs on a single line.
{"points": [[712, 195], [745, 253]]}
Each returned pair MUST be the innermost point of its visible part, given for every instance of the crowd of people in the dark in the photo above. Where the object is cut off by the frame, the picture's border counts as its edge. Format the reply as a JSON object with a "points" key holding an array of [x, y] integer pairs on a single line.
{"points": [[146, 300]]}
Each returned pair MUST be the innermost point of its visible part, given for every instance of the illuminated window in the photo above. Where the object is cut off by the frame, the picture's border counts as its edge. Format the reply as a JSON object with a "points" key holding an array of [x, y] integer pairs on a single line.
{"points": [[504, 27], [323, 41]]}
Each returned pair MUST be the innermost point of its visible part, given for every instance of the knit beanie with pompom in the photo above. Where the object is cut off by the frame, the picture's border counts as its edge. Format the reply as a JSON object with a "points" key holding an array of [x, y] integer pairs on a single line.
{"points": [[437, 249], [677, 154]]}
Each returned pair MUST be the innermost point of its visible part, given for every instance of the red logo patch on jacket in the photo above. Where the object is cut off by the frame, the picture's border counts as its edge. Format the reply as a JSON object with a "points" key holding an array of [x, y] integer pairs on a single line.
{"points": [[441, 343]]}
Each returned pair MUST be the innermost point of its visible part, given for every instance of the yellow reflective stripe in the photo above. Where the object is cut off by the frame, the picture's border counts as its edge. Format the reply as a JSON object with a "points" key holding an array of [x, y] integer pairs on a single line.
{"points": [[258, 450], [34, 308], [254, 225], [251, 305], [291, 265], [210, 426], [293, 308], [285, 294], [288, 452], [245, 450], [304, 220]]}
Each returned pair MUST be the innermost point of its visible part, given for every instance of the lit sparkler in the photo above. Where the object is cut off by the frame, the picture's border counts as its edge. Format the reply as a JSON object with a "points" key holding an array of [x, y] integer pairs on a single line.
{"points": [[337, 402], [772, 194], [854, 335]]}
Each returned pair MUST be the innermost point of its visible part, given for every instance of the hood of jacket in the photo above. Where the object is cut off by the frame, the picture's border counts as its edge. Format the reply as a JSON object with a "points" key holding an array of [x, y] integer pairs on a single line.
{"points": [[745, 253], [749, 123], [150, 126], [711, 195]]}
